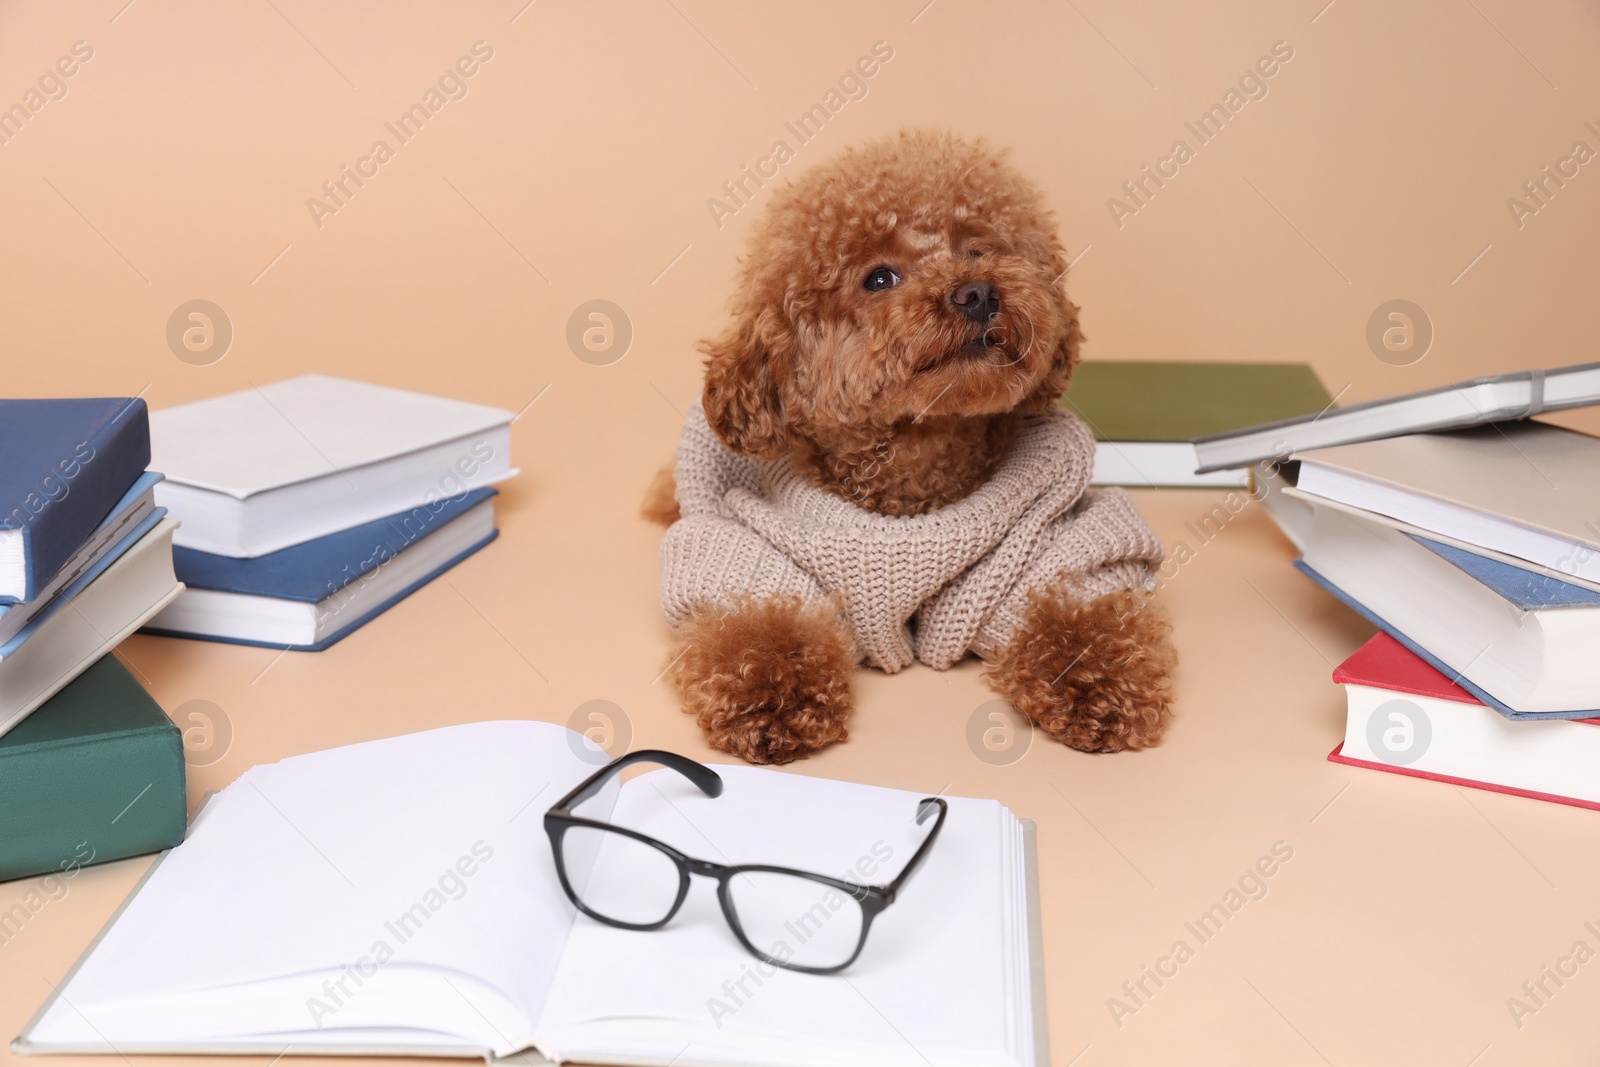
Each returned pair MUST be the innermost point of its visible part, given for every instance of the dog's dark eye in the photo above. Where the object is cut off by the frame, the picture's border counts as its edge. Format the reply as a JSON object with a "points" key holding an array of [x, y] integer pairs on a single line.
{"points": [[880, 279], [975, 253]]}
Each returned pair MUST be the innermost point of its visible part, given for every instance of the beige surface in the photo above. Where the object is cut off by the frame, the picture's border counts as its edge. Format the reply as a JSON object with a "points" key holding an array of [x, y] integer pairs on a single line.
{"points": [[1378, 167]]}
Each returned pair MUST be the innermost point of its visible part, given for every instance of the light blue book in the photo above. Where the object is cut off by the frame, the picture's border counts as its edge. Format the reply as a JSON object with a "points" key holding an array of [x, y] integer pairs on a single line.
{"points": [[1528, 590], [65, 597], [1519, 640], [135, 507]]}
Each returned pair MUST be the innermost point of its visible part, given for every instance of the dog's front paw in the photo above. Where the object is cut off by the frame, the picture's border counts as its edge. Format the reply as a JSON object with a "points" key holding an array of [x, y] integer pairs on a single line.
{"points": [[769, 680], [1095, 675]]}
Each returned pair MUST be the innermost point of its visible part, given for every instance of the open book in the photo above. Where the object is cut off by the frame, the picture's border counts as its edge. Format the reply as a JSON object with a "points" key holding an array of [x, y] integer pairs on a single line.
{"points": [[399, 897], [1501, 398]]}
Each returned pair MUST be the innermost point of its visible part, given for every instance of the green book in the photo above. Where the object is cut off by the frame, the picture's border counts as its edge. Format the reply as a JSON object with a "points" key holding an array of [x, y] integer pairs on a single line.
{"points": [[1145, 415], [95, 774]]}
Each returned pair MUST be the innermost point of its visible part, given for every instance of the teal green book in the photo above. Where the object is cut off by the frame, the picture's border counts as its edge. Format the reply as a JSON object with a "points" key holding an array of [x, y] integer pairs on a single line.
{"points": [[95, 774], [1145, 415]]}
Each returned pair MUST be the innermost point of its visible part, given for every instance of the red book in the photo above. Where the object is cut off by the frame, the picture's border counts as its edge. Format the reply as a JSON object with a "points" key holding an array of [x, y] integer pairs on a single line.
{"points": [[1406, 717]]}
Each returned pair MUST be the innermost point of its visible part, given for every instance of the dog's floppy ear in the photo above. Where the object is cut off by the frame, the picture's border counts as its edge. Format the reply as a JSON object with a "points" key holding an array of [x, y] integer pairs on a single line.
{"points": [[741, 398], [1063, 360]]}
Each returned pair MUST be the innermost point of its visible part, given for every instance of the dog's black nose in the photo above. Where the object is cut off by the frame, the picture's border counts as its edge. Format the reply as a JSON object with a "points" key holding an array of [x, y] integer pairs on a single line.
{"points": [[978, 301]]}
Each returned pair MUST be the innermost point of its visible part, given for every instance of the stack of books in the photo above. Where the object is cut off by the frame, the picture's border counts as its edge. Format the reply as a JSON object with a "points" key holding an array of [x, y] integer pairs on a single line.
{"points": [[1474, 547], [91, 769], [312, 505]]}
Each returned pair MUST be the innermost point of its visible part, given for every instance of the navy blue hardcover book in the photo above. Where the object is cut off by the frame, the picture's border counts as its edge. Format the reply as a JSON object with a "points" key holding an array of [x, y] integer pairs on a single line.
{"points": [[64, 464], [318, 572], [317, 569]]}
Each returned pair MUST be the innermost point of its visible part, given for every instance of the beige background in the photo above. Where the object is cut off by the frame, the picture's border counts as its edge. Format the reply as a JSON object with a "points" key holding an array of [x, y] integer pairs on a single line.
{"points": [[178, 166]]}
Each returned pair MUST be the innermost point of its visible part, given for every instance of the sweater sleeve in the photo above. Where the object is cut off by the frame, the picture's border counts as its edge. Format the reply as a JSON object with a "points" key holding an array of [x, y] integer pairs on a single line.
{"points": [[708, 557], [707, 561], [1101, 546]]}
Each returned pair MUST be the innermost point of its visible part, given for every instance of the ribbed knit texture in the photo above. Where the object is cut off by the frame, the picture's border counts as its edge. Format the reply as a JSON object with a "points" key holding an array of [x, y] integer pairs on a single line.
{"points": [[964, 572]]}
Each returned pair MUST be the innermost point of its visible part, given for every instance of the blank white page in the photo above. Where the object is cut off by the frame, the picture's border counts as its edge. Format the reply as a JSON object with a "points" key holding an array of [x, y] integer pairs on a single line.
{"points": [[935, 984], [427, 849]]}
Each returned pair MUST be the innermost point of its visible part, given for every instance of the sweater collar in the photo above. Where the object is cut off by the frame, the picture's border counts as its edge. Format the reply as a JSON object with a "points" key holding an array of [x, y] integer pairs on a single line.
{"points": [[1053, 455]]}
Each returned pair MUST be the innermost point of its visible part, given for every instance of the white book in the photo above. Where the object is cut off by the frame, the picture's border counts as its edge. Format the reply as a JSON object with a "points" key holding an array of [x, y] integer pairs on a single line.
{"points": [[85, 622], [400, 897], [1470, 403], [1525, 490], [1529, 659], [259, 470]]}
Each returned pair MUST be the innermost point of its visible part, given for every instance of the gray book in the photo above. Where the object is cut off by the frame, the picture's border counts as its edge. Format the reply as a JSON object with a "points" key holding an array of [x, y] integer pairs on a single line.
{"points": [[1471, 403], [399, 898]]}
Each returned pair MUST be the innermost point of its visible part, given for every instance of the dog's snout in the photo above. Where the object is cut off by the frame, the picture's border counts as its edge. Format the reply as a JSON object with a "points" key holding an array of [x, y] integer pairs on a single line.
{"points": [[978, 301]]}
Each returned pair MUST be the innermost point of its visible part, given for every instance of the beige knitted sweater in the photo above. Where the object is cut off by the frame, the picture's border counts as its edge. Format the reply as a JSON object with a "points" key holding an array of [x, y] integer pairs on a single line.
{"points": [[963, 572]]}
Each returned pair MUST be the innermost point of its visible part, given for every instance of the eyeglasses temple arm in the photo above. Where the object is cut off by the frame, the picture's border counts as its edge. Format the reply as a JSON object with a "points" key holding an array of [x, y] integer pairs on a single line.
{"points": [[703, 777], [925, 807]]}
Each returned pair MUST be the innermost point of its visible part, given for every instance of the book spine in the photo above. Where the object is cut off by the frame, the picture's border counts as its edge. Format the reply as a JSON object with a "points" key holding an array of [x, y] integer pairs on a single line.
{"points": [[94, 478], [105, 798]]}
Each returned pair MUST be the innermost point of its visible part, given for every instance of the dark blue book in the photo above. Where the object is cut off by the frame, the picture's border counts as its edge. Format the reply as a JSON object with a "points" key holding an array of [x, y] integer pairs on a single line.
{"points": [[310, 595], [64, 464]]}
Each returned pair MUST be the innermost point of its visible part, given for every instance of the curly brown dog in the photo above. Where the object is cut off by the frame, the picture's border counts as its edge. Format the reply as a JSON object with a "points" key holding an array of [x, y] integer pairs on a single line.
{"points": [[879, 470]]}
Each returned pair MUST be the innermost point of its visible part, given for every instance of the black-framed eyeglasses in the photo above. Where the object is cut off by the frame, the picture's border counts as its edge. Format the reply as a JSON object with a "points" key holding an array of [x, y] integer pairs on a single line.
{"points": [[799, 920]]}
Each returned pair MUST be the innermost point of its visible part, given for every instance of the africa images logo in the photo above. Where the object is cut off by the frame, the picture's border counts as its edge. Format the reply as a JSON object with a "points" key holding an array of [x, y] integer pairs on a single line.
{"points": [[1399, 732]]}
